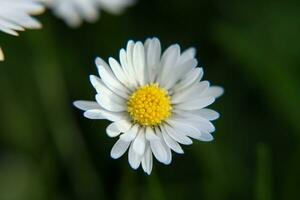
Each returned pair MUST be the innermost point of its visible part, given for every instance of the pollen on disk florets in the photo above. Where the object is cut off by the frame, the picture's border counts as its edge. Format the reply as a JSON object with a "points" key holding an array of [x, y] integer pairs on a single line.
{"points": [[149, 105]]}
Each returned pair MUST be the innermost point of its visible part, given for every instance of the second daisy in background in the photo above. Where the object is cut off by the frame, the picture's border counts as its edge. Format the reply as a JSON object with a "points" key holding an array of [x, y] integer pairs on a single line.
{"points": [[74, 12]]}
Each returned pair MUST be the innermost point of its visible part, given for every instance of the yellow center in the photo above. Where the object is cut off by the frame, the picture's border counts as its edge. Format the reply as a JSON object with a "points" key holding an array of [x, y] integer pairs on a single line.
{"points": [[149, 105]]}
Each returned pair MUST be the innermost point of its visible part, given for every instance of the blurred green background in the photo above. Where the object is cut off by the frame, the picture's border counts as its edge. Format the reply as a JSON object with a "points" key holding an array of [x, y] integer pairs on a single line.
{"points": [[48, 150]]}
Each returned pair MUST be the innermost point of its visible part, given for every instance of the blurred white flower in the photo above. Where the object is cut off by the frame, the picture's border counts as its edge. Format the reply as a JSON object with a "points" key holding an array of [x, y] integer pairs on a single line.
{"points": [[154, 102], [15, 16], [73, 12]]}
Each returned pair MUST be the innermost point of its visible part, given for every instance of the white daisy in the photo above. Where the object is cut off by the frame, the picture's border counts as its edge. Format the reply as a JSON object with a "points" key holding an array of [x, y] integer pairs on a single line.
{"points": [[73, 12], [15, 16], [155, 102]]}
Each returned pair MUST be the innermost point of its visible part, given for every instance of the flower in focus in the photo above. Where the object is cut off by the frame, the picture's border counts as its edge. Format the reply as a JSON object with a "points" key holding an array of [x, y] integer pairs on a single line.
{"points": [[15, 16], [155, 102], [73, 12]]}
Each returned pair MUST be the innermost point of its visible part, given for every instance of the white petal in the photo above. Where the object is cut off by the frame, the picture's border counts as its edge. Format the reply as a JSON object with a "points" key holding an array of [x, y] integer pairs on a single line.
{"points": [[130, 134], [139, 143], [94, 114], [206, 137], [196, 129], [109, 102], [202, 124], [147, 161], [207, 114], [194, 76], [96, 83], [113, 116], [86, 105], [168, 61], [100, 62], [15, 16], [115, 128], [20, 18], [119, 149], [177, 135], [4, 24], [179, 71], [133, 158], [24, 20], [172, 143], [185, 64], [9, 31], [166, 147], [127, 69], [159, 151], [214, 91], [150, 134], [112, 130], [153, 53], [1, 55], [32, 7], [130, 67], [110, 80], [188, 54], [88, 11], [195, 121], [118, 71], [124, 125], [67, 12], [102, 89], [191, 92], [139, 63], [185, 128], [196, 104]]}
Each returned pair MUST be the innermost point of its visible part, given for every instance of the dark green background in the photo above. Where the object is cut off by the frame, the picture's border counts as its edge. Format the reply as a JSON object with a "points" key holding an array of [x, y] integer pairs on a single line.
{"points": [[251, 48]]}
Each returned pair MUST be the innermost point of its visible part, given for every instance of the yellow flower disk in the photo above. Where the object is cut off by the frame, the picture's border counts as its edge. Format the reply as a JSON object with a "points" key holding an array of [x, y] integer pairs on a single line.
{"points": [[149, 105]]}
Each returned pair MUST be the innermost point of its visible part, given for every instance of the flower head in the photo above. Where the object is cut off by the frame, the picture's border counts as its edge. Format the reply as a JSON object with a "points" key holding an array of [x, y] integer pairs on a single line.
{"points": [[73, 12], [155, 102], [15, 16]]}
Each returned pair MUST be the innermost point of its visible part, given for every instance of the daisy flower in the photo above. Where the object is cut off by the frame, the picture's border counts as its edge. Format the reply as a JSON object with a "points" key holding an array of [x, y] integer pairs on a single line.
{"points": [[154, 102], [73, 12], [15, 16]]}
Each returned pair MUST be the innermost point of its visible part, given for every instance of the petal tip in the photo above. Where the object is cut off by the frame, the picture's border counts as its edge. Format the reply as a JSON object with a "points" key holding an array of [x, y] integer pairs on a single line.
{"points": [[1, 55], [76, 104]]}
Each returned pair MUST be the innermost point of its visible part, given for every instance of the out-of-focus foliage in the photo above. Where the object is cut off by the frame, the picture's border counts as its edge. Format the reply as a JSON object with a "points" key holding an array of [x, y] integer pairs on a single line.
{"points": [[49, 151]]}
